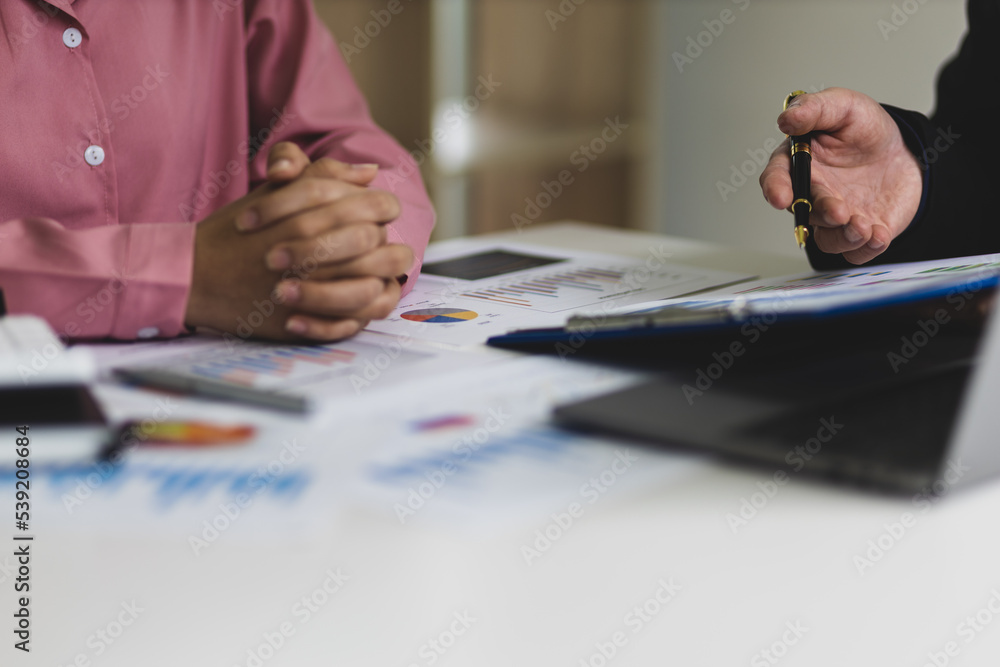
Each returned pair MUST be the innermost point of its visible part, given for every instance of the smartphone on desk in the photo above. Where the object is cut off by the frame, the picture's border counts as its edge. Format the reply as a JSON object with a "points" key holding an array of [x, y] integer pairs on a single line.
{"points": [[63, 424], [45, 398]]}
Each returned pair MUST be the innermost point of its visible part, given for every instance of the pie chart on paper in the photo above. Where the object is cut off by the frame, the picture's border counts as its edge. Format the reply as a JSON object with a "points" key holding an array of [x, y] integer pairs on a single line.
{"points": [[440, 315]]}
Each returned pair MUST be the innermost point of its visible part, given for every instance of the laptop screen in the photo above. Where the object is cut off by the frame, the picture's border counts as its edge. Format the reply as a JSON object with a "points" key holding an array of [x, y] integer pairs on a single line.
{"points": [[974, 452]]}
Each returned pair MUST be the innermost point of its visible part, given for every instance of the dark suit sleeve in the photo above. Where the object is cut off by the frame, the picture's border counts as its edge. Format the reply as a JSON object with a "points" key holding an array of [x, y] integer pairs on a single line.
{"points": [[958, 152]]}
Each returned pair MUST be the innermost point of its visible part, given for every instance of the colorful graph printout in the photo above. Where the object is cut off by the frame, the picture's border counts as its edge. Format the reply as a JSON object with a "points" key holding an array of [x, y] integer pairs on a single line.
{"points": [[476, 289], [440, 315], [534, 292], [278, 362]]}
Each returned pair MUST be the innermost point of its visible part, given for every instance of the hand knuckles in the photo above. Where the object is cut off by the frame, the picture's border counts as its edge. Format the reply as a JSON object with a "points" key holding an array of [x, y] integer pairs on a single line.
{"points": [[374, 287], [351, 240], [384, 205], [384, 305], [328, 165], [388, 266], [403, 260], [300, 227], [318, 190], [327, 247], [382, 310], [367, 237], [360, 294]]}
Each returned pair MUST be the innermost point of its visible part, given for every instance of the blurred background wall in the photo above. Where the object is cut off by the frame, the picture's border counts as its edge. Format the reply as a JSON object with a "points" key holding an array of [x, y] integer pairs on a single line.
{"points": [[649, 114]]}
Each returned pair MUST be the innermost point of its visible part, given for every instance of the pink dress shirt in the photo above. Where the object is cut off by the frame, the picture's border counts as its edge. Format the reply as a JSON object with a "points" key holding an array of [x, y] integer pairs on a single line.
{"points": [[124, 123]]}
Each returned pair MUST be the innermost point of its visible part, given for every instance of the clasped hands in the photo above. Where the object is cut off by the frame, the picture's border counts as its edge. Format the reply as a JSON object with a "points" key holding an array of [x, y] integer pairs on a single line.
{"points": [[309, 247]]}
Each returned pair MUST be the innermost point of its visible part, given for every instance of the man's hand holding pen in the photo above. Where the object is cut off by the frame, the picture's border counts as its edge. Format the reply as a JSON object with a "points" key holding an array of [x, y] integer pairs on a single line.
{"points": [[801, 154], [866, 184]]}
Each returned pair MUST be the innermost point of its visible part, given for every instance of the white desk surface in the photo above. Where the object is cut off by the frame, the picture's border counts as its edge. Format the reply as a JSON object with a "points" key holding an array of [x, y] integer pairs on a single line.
{"points": [[791, 566]]}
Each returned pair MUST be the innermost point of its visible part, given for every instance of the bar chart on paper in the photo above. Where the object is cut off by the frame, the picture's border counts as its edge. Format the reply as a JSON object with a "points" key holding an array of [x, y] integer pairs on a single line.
{"points": [[274, 365], [554, 291], [471, 290], [321, 371]]}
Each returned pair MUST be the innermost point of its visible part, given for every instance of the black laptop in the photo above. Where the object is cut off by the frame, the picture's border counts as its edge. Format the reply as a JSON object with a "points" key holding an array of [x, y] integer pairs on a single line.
{"points": [[872, 403]]}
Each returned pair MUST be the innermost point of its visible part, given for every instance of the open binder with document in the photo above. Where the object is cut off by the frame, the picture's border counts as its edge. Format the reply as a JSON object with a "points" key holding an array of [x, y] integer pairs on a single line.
{"points": [[886, 377], [774, 316]]}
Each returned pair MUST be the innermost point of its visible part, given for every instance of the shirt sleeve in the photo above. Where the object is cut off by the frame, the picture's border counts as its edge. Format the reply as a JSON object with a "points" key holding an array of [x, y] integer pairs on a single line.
{"points": [[302, 91], [119, 281], [956, 149]]}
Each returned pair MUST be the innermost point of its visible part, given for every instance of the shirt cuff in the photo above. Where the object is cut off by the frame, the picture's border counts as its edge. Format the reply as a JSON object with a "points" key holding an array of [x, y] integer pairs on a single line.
{"points": [[913, 140], [156, 281]]}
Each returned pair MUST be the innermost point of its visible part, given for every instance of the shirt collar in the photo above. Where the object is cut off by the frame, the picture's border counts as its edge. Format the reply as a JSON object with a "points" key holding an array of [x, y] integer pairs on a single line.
{"points": [[65, 6]]}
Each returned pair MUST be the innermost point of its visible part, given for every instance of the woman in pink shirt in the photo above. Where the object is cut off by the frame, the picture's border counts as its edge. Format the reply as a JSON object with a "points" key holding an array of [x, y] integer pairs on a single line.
{"points": [[181, 163]]}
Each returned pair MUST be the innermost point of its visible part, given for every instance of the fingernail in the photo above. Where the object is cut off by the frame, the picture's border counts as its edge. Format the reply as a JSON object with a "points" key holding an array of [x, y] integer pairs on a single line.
{"points": [[278, 259], [875, 244], [364, 167], [247, 220], [281, 165], [296, 326], [851, 234], [289, 292]]}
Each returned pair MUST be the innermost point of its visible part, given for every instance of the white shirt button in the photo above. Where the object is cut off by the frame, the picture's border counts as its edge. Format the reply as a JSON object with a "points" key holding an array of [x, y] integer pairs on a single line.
{"points": [[148, 332], [94, 156], [72, 38]]}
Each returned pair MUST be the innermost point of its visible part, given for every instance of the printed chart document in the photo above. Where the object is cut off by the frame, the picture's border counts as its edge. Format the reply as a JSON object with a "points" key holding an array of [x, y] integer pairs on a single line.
{"points": [[476, 452], [471, 452], [320, 373], [470, 290], [814, 291], [260, 491]]}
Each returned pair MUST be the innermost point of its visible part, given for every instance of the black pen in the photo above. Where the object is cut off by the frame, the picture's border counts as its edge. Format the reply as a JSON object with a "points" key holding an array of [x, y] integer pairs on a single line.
{"points": [[801, 178]]}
